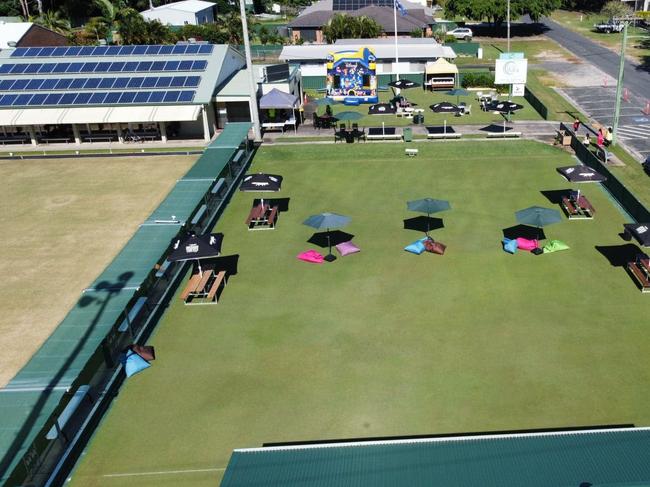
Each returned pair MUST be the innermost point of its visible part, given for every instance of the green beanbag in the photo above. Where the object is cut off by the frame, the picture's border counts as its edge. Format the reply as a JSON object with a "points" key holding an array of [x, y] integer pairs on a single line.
{"points": [[555, 246]]}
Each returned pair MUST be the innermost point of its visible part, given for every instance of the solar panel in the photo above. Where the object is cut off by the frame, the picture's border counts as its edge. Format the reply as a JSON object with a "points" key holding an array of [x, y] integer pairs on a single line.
{"points": [[171, 96], [199, 65], [32, 68], [63, 84], [59, 51], [113, 50], [97, 98], [106, 83], [192, 49], [67, 99], [166, 49], [142, 97], [8, 100], [120, 83], [205, 48], [116, 67], [60, 67], [19, 68], [163, 82], [186, 96], [130, 66], [145, 66], [92, 83], [86, 51], [178, 81], [102, 67], [172, 65], [78, 83], [46, 51], [178, 49], [20, 84], [126, 50], [74, 67], [185, 66], [22, 99], [127, 97], [113, 98], [73, 51], [5, 84], [82, 99], [135, 83], [19, 52], [192, 81], [53, 99], [138, 50], [152, 50], [357, 4], [49, 83], [33, 51], [156, 96], [5, 68], [149, 82], [88, 67], [158, 66], [34, 84], [38, 99]]}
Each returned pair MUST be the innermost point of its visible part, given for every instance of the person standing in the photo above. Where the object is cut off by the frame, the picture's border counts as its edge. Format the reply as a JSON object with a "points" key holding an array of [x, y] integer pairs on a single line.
{"points": [[576, 125], [609, 136], [601, 138]]}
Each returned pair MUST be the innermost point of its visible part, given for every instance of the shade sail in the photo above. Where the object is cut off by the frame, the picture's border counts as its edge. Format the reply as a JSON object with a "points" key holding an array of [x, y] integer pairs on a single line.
{"points": [[261, 182], [278, 99], [441, 66], [581, 174]]}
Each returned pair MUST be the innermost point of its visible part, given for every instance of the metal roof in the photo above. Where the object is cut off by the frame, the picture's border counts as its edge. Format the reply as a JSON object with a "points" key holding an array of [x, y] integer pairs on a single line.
{"points": [[13, 32], [559, 459], [193, 6], [222, 63], [407, 50]]}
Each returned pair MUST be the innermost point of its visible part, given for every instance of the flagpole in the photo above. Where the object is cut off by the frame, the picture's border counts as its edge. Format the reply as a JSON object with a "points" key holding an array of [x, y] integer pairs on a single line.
{"points": [[396, 49]]}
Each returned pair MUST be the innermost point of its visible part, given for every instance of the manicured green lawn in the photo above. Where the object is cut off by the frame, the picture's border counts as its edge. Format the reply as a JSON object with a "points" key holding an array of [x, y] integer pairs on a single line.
{"points": [[385, 342], [424, 99]]}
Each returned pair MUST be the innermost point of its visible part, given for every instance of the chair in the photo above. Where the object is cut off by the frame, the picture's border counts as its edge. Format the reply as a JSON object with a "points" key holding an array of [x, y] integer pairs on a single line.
{"points": [[467, 110], [355, 126], [342, 127], [479, 95]]}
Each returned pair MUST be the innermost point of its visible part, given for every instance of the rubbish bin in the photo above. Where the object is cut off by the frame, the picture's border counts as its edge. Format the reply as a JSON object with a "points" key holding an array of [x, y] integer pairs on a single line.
{"points": [[407, 134], [418, 119]]}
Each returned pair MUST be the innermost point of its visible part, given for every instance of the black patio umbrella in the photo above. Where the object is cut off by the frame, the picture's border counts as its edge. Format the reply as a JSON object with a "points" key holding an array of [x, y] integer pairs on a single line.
{"points": [[382, 109], [504, 106], [538, 216], [428, 206], [261, 182], [403, 84], [641, 231], [195, 247], [327, 221], [445, 107], [581, 174]]}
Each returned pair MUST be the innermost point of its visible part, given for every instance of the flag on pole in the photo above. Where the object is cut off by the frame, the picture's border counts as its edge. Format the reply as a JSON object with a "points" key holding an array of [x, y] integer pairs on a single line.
{"points": [[400, 7]]}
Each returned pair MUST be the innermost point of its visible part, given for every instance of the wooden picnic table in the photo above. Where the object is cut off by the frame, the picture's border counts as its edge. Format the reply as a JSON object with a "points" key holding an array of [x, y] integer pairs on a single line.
{"points": [[257, 214]]}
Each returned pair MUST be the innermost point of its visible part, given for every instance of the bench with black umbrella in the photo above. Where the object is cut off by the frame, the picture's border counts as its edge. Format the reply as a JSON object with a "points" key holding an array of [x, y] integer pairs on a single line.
{"points": [[327, 221], [404, 84], [207, 281]]}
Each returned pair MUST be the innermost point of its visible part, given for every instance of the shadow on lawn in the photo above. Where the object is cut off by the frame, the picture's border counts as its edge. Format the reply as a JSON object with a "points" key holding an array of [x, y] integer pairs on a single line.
{"points": [[281, 203], [228, 263], [555, 195], [524, 231], [422, 223], [619, 255], [337, 237]]}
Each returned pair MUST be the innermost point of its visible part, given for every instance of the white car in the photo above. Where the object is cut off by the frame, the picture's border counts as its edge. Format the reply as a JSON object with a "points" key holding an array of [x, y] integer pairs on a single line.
{"points": [[462, 33]]}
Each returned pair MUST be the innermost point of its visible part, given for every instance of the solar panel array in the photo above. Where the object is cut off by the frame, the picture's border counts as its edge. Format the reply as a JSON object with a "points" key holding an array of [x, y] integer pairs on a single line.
{"points": [[97, 98], [357, 4], [76, 51], [54, 84], [103, 67]]}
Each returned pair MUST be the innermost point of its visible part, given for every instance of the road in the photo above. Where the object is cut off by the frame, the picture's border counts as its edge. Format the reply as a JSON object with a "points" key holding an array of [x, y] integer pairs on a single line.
{"points": [[635, 79]]}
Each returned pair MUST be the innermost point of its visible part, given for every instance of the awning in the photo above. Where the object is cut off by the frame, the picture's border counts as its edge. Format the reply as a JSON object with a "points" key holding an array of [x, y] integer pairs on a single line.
{"points": [[81, 115], [171, 113], [39, 117], [278, 99], [85, 115], [441, 66]]}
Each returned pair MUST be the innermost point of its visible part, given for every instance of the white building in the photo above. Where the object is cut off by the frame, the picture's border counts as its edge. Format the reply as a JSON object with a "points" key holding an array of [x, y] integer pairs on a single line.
{"points": [[192, 12]]}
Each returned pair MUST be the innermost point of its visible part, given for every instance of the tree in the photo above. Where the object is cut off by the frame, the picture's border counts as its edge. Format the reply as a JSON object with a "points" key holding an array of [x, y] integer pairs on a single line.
{"points": [[616, 9], [9, 8], [96, 28], [495, 11], [415, 33], [343, 26], [264, 35], [134, 29], [53, 21]]}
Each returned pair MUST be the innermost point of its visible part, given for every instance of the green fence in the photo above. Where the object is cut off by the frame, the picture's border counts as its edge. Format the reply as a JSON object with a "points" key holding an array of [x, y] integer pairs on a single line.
{"points": [[624, 196], [261, 52], [464, 48], [536, 103]]}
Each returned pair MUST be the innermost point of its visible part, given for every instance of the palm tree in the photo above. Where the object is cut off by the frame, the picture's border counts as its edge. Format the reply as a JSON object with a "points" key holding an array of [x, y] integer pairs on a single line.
{"points": [[53, 21], [336, 28], [367, 28], [97, 28]]}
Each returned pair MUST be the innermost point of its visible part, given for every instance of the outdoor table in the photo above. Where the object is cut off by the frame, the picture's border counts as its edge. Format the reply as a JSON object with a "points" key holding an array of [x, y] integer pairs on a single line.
{"points": [[347, 135], [257, 214], [273, 126]]}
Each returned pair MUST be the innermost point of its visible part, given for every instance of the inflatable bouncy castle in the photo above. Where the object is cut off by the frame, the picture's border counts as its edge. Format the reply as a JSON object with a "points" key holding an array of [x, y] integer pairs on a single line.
{"points": [[352, 76]]}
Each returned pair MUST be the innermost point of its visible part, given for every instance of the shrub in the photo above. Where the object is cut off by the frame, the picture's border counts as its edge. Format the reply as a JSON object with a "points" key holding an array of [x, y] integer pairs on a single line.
{"points": [[483, 80]]}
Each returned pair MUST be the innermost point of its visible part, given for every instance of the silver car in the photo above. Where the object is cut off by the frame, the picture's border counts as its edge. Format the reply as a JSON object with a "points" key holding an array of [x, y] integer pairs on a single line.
{"points": [[462, 33]]}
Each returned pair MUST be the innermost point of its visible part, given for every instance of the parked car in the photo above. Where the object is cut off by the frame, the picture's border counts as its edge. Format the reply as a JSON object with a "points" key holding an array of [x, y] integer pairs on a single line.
{"points": [[463, 33], [608, 27]]}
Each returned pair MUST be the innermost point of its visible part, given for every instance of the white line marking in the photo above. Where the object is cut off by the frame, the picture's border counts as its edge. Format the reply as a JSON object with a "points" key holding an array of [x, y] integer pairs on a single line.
{"points": [[164, 472]]}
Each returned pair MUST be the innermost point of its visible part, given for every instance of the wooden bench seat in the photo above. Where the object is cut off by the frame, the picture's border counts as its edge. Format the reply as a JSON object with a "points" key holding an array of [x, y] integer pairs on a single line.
{"points": [[504, 135], [191, 286], [640, 276], [273, 216], [221, 278], [568, 207]]}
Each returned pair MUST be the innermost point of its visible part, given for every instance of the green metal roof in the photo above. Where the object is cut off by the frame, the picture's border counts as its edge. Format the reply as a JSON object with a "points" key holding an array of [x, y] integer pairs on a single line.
{"points": [[135, 261], [559, 459], [232, 136], [210, 165], [181, 201]]}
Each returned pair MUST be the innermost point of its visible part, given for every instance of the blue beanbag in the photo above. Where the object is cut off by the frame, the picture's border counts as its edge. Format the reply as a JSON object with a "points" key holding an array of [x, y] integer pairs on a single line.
{"points": [[416, 247], [133, 363], [509, 246]]}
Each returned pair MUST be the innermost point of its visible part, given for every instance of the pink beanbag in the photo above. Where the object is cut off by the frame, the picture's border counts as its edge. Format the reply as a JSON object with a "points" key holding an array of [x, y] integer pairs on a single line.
{"points": [[525, 244], [311, 256], [347, 248]]}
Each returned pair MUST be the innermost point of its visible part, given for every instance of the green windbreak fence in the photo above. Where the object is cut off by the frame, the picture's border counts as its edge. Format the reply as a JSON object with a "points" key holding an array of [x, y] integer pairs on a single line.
{"points": [[84, 346], [464, 48]]}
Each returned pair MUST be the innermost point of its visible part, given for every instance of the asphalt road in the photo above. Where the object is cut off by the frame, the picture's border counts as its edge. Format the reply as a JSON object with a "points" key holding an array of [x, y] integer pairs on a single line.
{"points": [[635, 79]]}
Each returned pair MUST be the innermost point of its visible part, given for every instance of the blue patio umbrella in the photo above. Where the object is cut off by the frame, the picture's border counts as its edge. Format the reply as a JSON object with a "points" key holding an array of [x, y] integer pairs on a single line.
{"points": [[428, 206], [458, 92], [538, 216], [327, 221]]}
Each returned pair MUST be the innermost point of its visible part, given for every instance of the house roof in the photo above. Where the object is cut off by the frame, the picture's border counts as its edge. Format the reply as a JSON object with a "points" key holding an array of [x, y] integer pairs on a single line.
{"points": [[193, 6], [382, 50], [13, 32], [414, 19], [559, 458]]}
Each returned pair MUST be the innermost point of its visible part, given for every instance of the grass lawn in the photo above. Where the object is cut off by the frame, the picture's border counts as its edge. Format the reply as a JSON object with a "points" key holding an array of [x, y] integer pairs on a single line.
{"points": [[534, 49], [64, 219], [583, 22], [424, 99], [385, 342]]}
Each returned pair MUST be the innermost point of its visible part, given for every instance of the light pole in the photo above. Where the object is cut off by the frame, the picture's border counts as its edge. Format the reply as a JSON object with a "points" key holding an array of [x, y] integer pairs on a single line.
{"points": [[621, 69], [255, 118], [508, 23]]}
